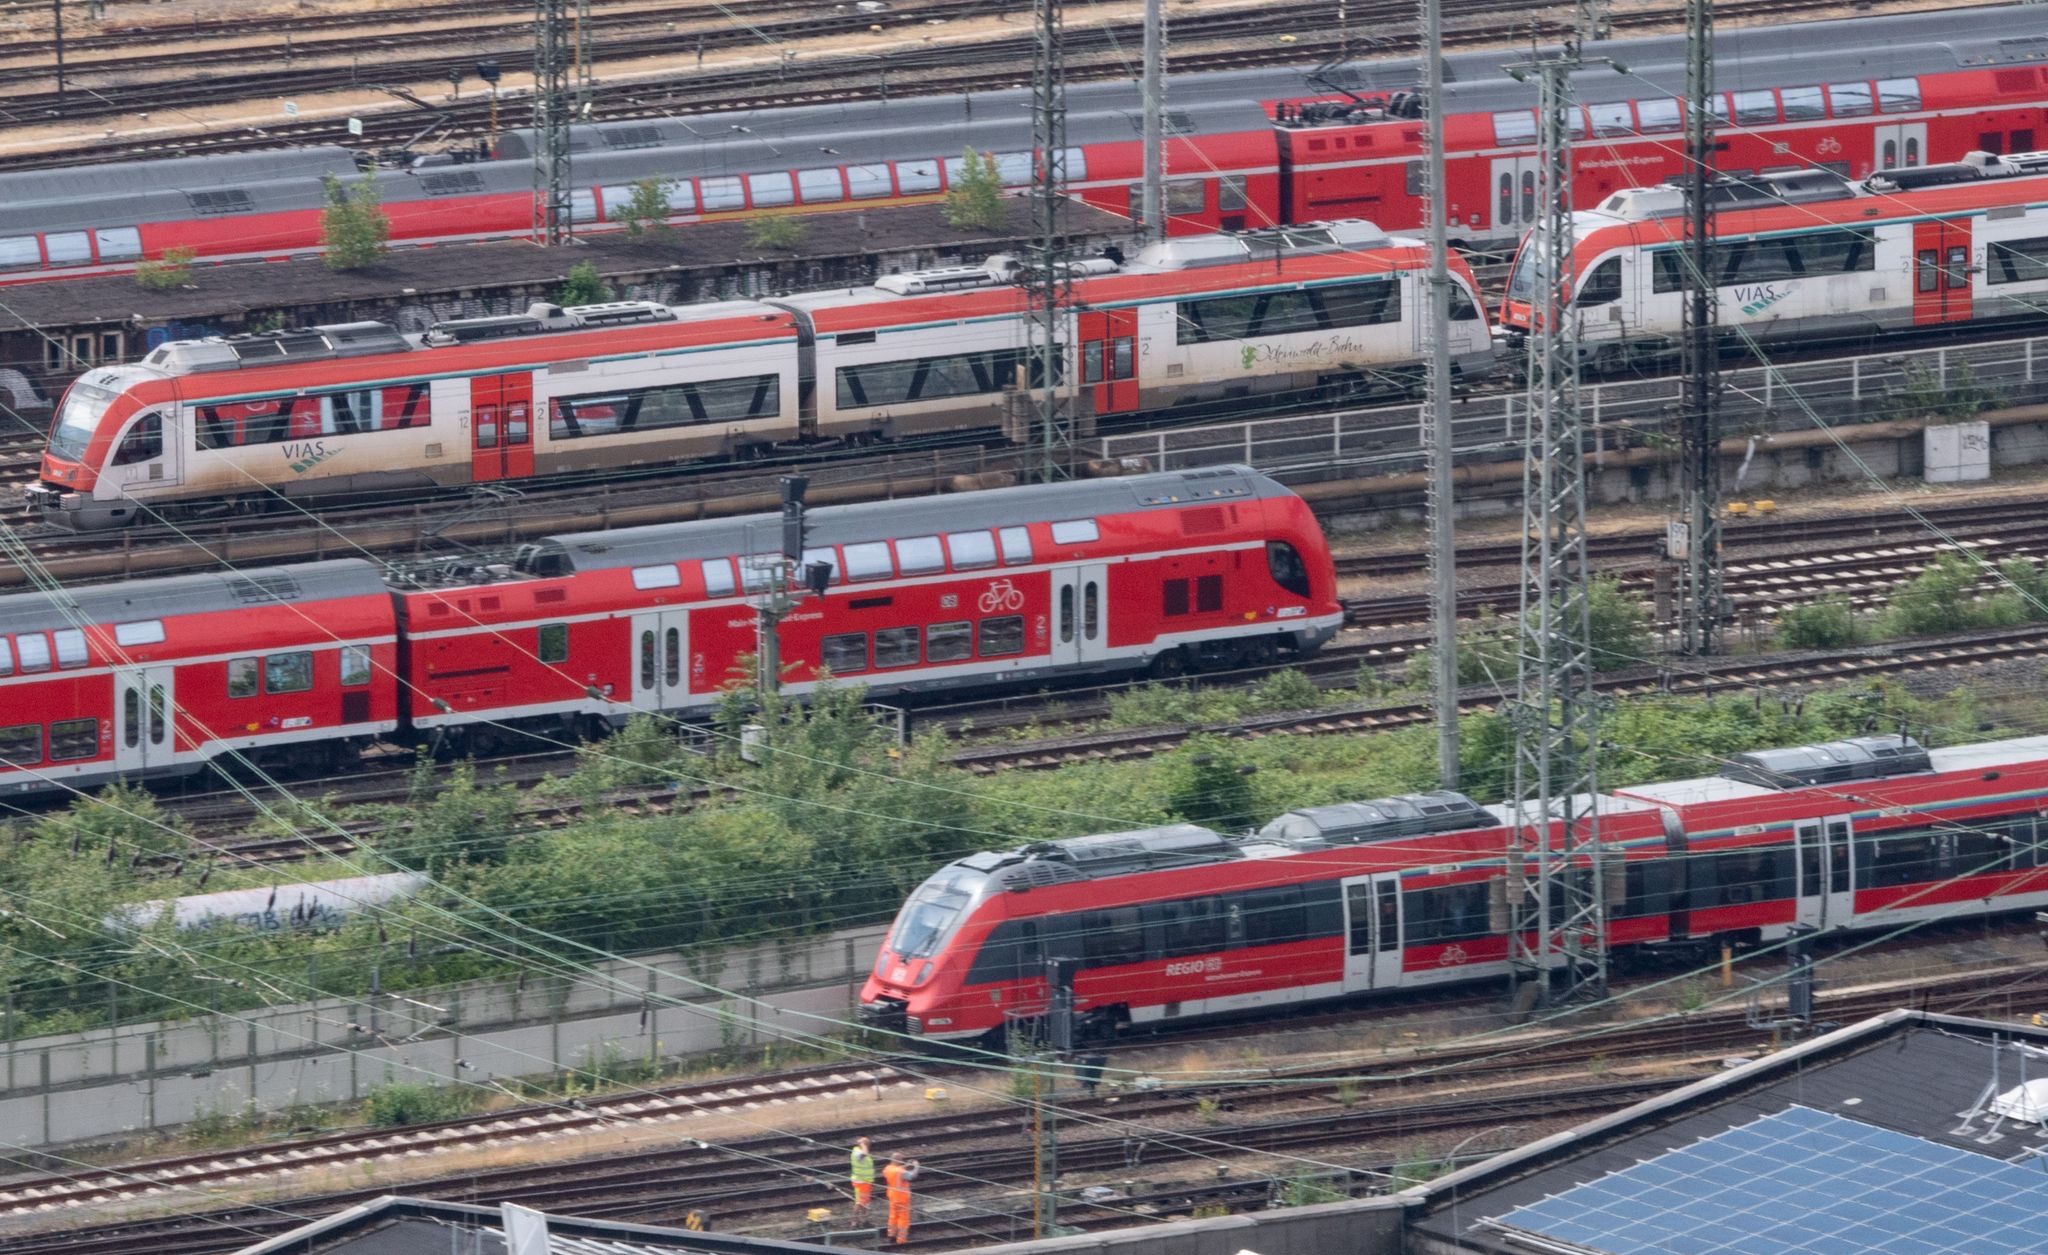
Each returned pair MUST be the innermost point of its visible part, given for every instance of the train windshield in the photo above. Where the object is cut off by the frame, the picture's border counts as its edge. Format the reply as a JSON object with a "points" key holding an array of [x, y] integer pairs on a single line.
{"points": [[933, 912], [1522, 280], [84, 406]]}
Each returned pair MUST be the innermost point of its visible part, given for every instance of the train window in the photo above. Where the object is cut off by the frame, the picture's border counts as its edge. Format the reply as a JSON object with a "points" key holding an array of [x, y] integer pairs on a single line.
{"points": [[21, 745], [20, 252], [914, 177], [1173, 598], [681, 194], [702, 401], [755, 570], [671, 656], [1360, 896], [1208, 594], [1448, 913], [896, 647], [1091, 610], [1755, 107], [617, 200], [844, 653], [117, 244], [74, 738], [1075, 532], [1739, 877], [131, 716], [949, 642], [158, 710], [1113, 936], [583, 205], [139, 632], [33, 648], [70, 648], [1274, 916], [287, 673], [722, 192], [1091, 362], [819, 187], [1646, 889], [1463, 309], [1016, 542], [1657, 115], [67, 248], [1516, 126], [1187, 197], [1282, 313], [868, 560], [144, 442], [647, 658], [1602, 285], [1759, 261], [6, 657], [766, 191], [1230, 194], [1667, 271], [241, 677], [868, 182], [1899, 858], [1978, 851], [1123, 358], [1928, 272], [355, 661], [1802, 104], [1898, 95], [1283, 562], [1957, 267], [718, 577], [2016, 261], [932, 378], [1066, 613], [1002, 954], [1192, 926], [998, 637], [553, 646], [1617, 118], [826, 556], [919, 555], [1850, 100], [662, 576], [971, 550]]}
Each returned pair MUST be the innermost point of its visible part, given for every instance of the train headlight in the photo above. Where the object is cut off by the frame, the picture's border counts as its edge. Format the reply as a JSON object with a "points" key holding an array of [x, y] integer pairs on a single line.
{"points": [[923, 974]]}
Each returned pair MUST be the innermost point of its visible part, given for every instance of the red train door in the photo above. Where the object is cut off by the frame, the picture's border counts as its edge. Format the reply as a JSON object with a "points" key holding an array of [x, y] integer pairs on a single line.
{"points": [[500, 427], [1109, 358], [1941, 271]]}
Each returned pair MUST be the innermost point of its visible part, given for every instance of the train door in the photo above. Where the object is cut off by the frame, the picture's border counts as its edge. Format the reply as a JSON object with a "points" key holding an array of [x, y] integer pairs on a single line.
{"points": [[1514, 194], [1899, 145], [1941, 271], [1827, 872], [661, 660], [1372, 930], [144, 736], [500, 427], [1080, 613], [146, 456], [1109, 359]]}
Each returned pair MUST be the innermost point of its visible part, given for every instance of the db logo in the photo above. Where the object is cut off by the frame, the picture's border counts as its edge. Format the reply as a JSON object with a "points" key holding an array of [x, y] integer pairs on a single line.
{"points": [[1194, 967], [1452, 956], [1001, 595]]}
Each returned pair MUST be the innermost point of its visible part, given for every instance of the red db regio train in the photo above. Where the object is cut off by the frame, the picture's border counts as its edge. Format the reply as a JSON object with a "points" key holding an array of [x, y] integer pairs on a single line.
{"points": [[1246, 148], [242, 421], [1808, 256], [303, 664], [1178, 923]]}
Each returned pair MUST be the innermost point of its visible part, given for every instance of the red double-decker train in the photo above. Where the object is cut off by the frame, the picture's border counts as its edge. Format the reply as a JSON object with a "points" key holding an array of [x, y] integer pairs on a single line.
{"points": [[1010, 586], [1182, 923]]}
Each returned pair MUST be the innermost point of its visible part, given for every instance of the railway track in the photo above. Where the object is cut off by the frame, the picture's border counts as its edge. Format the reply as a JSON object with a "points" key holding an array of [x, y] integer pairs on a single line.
{"points": [[983, 1154], [1097, 52]]}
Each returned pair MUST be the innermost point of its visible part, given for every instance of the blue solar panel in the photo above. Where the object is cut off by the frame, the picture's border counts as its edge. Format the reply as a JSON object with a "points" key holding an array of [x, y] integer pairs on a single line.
{"points": [[1802, 1182]]}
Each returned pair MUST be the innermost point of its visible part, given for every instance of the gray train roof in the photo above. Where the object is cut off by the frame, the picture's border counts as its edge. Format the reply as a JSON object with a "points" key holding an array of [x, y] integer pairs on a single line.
{"points": [[911, 127], [883, 520], [203, 593]]}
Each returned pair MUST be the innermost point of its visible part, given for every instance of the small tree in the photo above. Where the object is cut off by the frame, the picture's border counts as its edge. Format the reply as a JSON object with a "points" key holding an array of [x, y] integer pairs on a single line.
{"points": [[353, 228], [172, 270], [583, 286], [975, 197], [777, 231], [648, 210]]}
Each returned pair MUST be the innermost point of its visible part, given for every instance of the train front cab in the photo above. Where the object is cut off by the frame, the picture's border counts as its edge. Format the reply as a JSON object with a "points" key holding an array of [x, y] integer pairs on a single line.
{"points": [[109, 448]]}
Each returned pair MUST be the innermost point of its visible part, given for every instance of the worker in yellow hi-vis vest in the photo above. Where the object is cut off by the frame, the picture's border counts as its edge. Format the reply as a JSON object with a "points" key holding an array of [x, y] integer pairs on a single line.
{"points": [[862, 1173]]}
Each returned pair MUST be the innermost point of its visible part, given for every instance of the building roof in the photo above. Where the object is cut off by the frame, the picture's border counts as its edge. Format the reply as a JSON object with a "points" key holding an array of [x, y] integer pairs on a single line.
{"points": [[395, 1225], [1880, 1138]]}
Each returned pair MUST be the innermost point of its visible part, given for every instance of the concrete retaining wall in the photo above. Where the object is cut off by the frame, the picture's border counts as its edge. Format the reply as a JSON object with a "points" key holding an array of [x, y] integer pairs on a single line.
{"points": [[146, 1076]]}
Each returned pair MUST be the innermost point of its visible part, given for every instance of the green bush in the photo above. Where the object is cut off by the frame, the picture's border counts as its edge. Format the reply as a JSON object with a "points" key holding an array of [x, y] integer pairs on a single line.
{"points": [[396, 1103], [646, 211], [1943, 598], [1206, 781], [583, 285], [1829, 623], [974, 196], [1618, 625], [172, 270], [777, 231], [1287, 690], [353, 227]]}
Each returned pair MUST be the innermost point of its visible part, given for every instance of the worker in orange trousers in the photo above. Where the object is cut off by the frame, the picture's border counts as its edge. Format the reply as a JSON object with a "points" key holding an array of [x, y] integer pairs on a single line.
{"points": [[863, 1178], [897, 1176]]}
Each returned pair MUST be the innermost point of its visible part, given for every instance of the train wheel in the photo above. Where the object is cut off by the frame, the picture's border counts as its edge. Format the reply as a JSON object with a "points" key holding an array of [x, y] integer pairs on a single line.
{"points": [[1167, 666]]}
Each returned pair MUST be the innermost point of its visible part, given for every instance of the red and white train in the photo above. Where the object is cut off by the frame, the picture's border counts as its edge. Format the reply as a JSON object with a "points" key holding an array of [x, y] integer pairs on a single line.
{"points": [[1809, 257], [360, 407], [1247, 148], [1178, 923], [304, 663]]}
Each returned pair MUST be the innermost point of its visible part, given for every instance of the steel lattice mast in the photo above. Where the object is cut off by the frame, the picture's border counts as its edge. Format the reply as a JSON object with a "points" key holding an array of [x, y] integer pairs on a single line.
{"points": [[1436, 417], [551, 110], [1050, 279], [1700, 618], [1556, 920]]}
